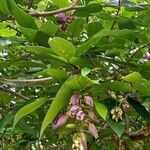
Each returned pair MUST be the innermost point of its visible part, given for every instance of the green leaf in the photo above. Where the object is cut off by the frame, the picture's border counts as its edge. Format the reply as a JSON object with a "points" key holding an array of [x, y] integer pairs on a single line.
{"points": [[29, 108], [124, 33], [58, 74], [48, 28], [22, 18], [4, 98], [74, 28], [61, 3], [79, 62], [62, 47], [62, 98], [60, 101], [85, 71], [110, 145], [93, 28], [4, 7], [7, 32], [101, 109], [133, 77], [118, 127], [139, 108], [117, 86], [88, 10], [29, 33]]}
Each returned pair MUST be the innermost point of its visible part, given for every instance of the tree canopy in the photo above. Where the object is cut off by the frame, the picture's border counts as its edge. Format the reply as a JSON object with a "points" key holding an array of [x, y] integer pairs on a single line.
{"points": [[74, 74]]}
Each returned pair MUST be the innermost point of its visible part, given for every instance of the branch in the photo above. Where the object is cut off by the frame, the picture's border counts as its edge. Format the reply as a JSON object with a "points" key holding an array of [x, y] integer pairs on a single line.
{"points": [[117, 14], [13, 93], [51, 13], [140, 48], [30, 81]]}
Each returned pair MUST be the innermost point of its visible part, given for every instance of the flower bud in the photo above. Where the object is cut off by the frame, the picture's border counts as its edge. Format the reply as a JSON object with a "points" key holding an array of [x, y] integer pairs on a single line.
{"points": [[74, 109], [88, 100], [93, 130], [60, 121], [80, 115], [74, 100], [61, 18]]}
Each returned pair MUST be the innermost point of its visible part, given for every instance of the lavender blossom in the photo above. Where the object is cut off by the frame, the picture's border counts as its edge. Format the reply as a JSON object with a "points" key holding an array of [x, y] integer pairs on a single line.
{"points": [[61, 18], [89, 100], [74, 109], [74, 100], [80, 115], [93, 130], [60, 121]]}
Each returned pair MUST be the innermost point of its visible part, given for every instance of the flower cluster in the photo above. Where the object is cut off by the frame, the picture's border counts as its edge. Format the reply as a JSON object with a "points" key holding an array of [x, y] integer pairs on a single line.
{"points": [[80, 109], [117, 113]]}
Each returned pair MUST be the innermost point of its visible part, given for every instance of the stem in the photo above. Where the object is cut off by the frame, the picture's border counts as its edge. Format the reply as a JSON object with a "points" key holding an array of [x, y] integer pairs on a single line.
{"points": [[50, 13], [117, 15], [13, 93], [30, 81], [140, 48]]}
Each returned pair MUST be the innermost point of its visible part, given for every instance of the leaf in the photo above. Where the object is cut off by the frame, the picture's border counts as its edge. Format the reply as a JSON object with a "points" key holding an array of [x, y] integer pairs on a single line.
{"points": [[139, 108], [62, 47], [117, 86], [79, 62], [7, 32], [118, 127], [75, 27], [124, 33], [85, 71], [101, 109], [110, 145], [88, 10], [93, 28], [133, 77], [4, 98], [61, 3], [62, 98], [58, 74], [22, 18], [29, 108], [4, 7], [29, 33], [48, 28]]}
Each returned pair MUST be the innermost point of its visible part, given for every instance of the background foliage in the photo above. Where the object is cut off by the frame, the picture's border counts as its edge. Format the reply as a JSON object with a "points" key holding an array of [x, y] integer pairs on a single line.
{"points": [[74, 71]]}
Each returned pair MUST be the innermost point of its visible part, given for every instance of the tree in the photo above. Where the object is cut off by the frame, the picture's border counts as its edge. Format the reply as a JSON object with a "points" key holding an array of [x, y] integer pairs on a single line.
{"points": [[74, 74]]}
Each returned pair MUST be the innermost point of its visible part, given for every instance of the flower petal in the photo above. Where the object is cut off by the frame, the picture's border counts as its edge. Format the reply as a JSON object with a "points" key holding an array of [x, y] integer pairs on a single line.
{"points": [[60, 121]]}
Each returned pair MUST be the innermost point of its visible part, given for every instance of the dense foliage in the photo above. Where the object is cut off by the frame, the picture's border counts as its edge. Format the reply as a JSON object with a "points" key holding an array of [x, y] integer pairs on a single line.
{"points": [[74, 74]]}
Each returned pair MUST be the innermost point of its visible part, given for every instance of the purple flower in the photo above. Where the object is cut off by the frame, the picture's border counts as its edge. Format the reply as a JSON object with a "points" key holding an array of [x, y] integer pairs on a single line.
{"points": [[60, 121], [61, 18], [80, 115], [89, 100], [93, 130], [74, 109], [74, 100]]}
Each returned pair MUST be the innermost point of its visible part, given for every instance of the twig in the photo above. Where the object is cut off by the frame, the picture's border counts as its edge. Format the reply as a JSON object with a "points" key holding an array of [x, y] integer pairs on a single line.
{"points": [[138, 49], [117, 14], [13, 93], [51, 13], [30, 81]]}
